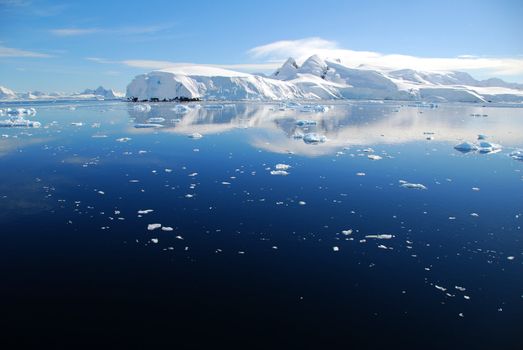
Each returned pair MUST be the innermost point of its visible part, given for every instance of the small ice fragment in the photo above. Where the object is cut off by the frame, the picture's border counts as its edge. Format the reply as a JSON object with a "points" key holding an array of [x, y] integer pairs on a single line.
{"points": [[461, 289], [313, 138], [282, 166], [142, 108], [156, 120], [374, 157], [152, 227], [380, 236], [123, 139], [335, 248], [225, 183], [413, 186], [440, 288], [154, 240], [167, 228], [475, 189], [145, 211], [360, 174], [347, 232], [195, 135], [510, 257], [301, 203], [101, 192], [474, 215], [279, 172], [77, 124]]}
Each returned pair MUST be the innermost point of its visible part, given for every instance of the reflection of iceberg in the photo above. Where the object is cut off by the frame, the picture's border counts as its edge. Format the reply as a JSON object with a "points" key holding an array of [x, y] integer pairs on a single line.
{"points": [[488, 147], [343, 125]]}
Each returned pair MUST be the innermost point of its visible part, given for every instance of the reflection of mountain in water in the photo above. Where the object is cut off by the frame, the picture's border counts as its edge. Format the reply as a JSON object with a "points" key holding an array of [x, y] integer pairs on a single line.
{"points": [[278, 129]]}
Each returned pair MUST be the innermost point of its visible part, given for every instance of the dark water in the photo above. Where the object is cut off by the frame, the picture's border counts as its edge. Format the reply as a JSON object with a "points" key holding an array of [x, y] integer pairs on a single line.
{"points": [[250, 261]]}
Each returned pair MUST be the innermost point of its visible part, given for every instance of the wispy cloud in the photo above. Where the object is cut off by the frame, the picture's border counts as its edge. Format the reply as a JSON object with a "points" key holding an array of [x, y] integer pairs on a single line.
{"points": [[12, 52], [31, 7], [133, 30], [74, 31], [303, 48], [154, 64]]}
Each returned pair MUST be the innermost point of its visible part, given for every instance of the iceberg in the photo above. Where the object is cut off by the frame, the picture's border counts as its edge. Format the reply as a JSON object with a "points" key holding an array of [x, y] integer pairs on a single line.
{"points": [[318, 79], [414, 186]]}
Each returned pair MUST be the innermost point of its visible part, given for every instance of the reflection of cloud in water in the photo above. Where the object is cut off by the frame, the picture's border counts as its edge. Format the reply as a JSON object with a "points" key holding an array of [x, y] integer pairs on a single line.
{"points": [[11, 144], [344, 124]]}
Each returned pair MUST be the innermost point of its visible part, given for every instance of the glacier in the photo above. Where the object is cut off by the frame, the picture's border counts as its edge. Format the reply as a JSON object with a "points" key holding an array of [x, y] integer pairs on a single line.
{"points": [[319, 79]]}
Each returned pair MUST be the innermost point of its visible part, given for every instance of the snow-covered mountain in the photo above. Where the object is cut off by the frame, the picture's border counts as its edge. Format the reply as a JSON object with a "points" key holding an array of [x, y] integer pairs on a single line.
{"points": [[105, 93], [88, 94], [317, 78], [6, 94]]}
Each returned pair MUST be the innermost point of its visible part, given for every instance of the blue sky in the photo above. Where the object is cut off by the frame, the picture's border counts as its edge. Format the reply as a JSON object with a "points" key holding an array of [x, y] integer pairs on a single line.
{"points": [[72, 45]]}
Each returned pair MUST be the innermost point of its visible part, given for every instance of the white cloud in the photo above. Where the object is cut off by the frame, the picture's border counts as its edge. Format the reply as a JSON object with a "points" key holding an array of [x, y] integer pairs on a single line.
{"points": [[154, 64], [111, 31], [74, 31], [303, 48], [12, 52]]}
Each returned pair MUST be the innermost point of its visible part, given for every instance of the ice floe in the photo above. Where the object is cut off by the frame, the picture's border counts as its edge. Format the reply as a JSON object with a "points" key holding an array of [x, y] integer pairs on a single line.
{"points": [[142, 108]]}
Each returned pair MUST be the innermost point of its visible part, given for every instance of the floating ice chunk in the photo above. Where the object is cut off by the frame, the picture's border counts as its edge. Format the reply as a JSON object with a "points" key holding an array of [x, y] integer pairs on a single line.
{"points": [[142, 108], [489, 147], [517, 155], [196, 135], [466, 147], [440, 288], [360, 174], [476, 189], [336, 249], [145, 211], [314, 108], [347, 232], [180, 109], [154, 240], [282, 166], [101, 192], [374, 157], [461, 289], [302, 203], [156, 120], [474, 215], [21, 111], [381, 246], [225, 183], [148, 126], [123, 139], [413, 185], [510, 257], [305, 122], [279, 172], [313, 138], [152, 227], [19, 122], [167, 228], [77, 124], [213, 106], [380, 236]]}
